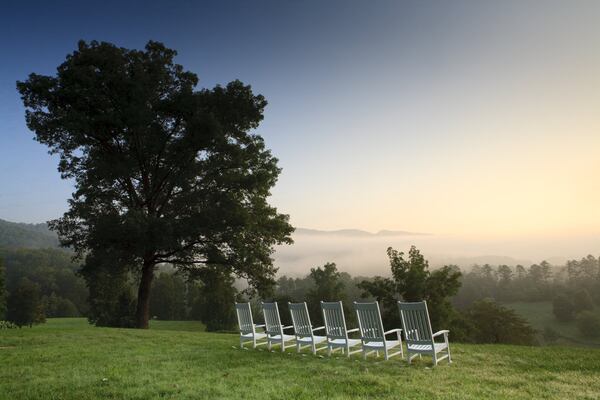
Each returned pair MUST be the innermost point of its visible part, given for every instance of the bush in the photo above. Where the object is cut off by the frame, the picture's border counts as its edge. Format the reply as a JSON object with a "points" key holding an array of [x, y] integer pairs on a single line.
{"points": [[111, 300], [56, 306], [24, 305], [168, 297], [7, 325], [214, 304], [588, 324], [2, 292], [493, 323], [563, 308], [583, 301], [550, 335]]}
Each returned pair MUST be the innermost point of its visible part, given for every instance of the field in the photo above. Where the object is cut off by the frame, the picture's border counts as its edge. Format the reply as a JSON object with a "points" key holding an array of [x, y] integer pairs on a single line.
{"points": [[540, 316], [68, 359]]}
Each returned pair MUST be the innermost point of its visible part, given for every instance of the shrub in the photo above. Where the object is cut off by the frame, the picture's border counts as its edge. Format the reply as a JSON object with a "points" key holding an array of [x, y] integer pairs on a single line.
{"points": [[56, 306], [7, 325], [2, 292], [24, 304], [550, 335], [214, 304], [563, 308], [588, 324], [583, 301], [493, 323]]}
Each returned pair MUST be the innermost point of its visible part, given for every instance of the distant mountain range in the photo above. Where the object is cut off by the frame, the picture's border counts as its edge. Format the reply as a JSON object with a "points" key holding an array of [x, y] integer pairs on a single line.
{"points": [[34, 236], [354, 233], [16, 234]]}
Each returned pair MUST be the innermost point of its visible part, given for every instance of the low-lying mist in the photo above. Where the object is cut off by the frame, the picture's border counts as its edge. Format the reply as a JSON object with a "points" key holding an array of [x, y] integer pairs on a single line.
{"points": [[366, 254]]}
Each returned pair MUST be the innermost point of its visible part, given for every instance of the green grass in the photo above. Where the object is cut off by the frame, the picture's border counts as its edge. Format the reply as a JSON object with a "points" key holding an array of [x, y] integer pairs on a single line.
{"points": [[68, 359], [540, 315]]}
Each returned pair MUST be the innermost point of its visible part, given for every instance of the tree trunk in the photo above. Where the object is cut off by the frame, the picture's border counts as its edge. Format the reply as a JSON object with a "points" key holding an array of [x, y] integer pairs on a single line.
{"points": [[143, 301]]}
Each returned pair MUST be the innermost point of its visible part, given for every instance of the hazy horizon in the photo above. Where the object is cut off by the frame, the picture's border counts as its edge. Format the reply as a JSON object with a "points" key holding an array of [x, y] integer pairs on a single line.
{"points": [[367, 255]]}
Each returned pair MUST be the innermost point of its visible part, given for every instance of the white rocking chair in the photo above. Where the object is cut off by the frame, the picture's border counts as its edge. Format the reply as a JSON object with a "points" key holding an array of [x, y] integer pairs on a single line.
{"points": [[247, 326], [372, 333], [417, 331], [273, 327], [303, 328], [335, 327]]}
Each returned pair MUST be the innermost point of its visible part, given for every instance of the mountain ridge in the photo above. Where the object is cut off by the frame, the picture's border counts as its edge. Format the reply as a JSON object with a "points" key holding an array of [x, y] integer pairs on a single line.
{"points": [[22, 235], [356, 233]]}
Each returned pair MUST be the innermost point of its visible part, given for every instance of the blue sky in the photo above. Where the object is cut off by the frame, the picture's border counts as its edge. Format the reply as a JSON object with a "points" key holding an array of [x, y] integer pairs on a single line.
{"points": [[469, 116]]}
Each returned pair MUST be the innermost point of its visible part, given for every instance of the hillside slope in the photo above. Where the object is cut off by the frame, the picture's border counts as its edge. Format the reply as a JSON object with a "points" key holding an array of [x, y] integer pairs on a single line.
{"points": [[18, 235], [68, 359]]}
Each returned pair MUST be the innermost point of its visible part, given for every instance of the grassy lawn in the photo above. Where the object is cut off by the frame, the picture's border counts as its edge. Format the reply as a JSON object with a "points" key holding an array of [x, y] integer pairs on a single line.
{"points": [[540, 315], [68, 359]]}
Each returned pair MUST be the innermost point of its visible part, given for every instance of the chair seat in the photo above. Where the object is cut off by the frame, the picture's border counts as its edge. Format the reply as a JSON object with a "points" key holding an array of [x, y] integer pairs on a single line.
{"points": [[379, 345], [308, 339], [278, 338], [251, 336], [343, 342], [426, 348]]}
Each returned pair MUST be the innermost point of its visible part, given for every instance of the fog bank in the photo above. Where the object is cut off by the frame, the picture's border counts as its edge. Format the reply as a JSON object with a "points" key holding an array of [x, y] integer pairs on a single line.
{"points": [[366, 254]]}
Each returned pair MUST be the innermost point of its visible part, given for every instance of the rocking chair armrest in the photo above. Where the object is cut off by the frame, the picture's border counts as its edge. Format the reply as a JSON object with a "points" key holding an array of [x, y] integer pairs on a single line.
{"points": [[438, 333], [352, 330], [287, 327], [398, 330], [318, 328], [259, 325]]}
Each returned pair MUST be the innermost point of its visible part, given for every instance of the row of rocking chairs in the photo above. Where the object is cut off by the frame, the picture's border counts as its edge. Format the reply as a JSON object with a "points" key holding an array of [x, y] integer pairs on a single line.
{"points": [[373, 339]]}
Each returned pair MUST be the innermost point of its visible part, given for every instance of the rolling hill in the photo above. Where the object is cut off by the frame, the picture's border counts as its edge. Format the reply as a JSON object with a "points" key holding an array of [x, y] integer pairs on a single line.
{"points": [[19, 235], [69, 359]]}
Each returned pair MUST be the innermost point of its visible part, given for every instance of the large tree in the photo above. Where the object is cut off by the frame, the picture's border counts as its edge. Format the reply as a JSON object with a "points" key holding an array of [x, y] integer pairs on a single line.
{"points": [[164, 173]]}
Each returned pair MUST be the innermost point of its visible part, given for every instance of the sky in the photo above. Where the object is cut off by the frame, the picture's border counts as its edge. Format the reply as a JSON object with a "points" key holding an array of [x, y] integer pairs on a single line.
{"points": [[471, 118]]}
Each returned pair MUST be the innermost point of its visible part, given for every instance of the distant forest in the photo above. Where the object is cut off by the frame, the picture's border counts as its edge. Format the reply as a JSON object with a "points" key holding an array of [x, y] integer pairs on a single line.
{"points": [[30, 255], [35, 236]]}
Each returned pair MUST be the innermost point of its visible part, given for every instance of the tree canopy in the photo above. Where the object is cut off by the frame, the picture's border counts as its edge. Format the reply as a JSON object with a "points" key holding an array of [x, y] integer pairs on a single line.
{"points": [[164, 173], [413, 281]]}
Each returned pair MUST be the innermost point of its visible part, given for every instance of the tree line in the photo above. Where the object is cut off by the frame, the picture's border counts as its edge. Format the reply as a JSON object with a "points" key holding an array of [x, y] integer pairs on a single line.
{"points": [[46, 283], [484, 321], [573, 289]]}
